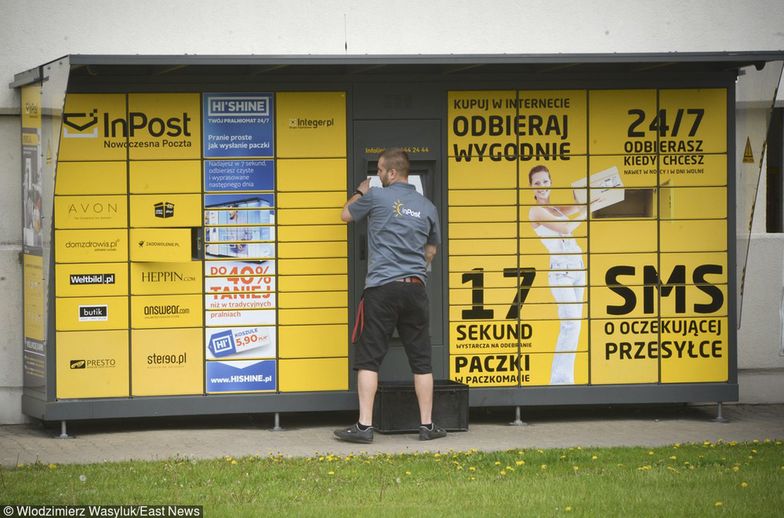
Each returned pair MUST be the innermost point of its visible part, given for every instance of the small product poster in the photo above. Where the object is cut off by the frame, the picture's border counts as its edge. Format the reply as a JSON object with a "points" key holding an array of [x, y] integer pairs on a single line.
{"points": [[240, 376], [238, 125]]}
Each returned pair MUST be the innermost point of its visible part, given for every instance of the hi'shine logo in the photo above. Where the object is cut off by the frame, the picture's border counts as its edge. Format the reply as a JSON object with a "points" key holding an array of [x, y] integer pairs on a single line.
{"points": [[85, 125], [93, 313], [305, 123], [164, 209], [101, 363], [227, 106], [399, 210]]}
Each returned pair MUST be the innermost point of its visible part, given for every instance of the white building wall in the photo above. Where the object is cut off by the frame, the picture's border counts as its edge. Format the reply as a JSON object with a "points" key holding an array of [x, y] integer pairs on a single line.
{"points": [[38, 31]]}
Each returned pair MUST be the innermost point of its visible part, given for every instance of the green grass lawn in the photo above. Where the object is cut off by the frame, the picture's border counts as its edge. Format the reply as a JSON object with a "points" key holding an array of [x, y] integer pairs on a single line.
{"points": [[740, 479]]}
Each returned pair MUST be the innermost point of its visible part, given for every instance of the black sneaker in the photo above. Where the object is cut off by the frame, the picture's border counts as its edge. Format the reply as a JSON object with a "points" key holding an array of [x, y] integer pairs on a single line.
{"points": [[354, 434], [427, 434]]}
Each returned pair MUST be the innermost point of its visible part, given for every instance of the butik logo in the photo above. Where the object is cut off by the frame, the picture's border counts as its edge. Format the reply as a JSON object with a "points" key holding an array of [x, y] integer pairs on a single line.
{"points": [[93, 313], [85, 125], [164, 209]]}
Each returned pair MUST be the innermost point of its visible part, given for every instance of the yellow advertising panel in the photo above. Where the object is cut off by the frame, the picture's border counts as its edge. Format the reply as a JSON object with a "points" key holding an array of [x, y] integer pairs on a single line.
{"points": [[91, 313], [92, 364], [165, 311], [313, 375], [623, 236], [693, 202], [622, 122], [91, 280], [312, 266], [507, 230], [33, 275], [164, 126], [161, 245], [312, 233], [481, 263], [91, 211], [31, 107], [693, 121], [694, 301], [307, 216], [329, 299], [166, 210], [489, 246], [166, 278], [560, 368], [699, 267], [325, 174], [694, 350], [95, 127], [488, 336], [310, 124], [315, 249], [621, 172], [470, 198], [693, 235], [483, 126], [167, 362], [552, 124], [683, 171], [620, 269], [526, 311], [489, 370], [627, 301], [167, 176], [91, 178], [313, 282], [481, 214], [624, 351], [323, 341], [312, 200], [562, 184], [91, 246], [474, 174], [569, 333], [309, 316]]}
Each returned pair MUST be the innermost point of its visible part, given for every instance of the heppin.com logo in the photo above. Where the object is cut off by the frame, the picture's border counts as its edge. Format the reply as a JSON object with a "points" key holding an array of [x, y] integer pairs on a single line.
{"points": [[85, 125], [227, 106], [164, 209], [399, 210], [305, 123]]}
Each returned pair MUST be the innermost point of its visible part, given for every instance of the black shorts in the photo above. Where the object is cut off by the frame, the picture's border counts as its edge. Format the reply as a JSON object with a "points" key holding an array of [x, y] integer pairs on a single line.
{"points": [[400, 305]]}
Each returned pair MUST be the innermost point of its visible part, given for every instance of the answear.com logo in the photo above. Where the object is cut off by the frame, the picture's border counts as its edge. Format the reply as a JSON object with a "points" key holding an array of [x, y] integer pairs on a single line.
{"points": [[164, 209], [80, 122]]}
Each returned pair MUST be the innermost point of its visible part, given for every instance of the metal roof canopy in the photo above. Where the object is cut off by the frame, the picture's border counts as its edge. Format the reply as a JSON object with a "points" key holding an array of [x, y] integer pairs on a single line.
{"points": [[119, 67]]}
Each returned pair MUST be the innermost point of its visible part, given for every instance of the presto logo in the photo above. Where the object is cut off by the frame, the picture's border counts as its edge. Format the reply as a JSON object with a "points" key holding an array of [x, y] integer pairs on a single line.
{"points": [[399, 210]]}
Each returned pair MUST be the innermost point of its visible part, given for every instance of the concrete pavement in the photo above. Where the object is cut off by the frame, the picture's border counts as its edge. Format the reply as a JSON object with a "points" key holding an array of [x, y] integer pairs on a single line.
{"points": [[311, 434]]}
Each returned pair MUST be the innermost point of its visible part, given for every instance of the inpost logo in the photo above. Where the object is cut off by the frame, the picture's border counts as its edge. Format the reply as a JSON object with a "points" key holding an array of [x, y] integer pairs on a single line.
{"points": [[31, 109], [164, 209], [86, 125], [307, 123], [399, 210]]}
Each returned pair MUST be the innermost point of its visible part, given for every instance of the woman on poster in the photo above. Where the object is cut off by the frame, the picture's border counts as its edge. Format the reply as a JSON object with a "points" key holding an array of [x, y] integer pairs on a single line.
{"points": [[554, 224]]}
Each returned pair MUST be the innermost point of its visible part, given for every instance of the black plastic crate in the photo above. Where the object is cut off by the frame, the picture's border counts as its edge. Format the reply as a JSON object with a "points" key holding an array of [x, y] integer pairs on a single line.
{"points": [[396, 410]]}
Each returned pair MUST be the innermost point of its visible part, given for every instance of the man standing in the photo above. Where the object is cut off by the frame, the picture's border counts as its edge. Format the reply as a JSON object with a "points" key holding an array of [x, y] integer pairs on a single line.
{"points": [[403, 236]]}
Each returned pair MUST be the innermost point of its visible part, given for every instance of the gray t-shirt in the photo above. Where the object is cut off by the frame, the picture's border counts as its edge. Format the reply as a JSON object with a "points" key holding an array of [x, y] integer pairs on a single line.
{"points": [[400, 222]]}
